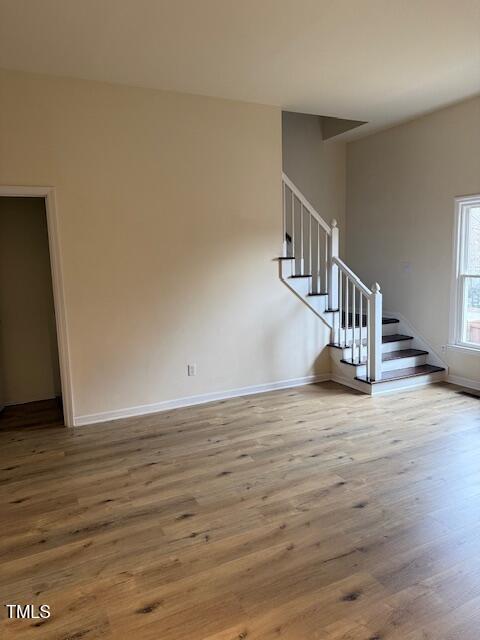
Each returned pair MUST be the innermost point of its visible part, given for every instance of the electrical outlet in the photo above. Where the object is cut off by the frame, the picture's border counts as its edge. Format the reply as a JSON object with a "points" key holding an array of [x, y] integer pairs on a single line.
{"points": [[444, 348], [191, 369]]}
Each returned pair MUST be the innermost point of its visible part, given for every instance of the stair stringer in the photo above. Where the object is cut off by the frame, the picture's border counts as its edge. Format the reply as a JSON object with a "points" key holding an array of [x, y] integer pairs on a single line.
{"points": [[301, 288]]}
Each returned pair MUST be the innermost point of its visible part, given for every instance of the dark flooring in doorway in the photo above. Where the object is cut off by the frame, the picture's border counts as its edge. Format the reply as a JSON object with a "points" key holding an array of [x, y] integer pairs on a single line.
{"points": [[43, 414]]}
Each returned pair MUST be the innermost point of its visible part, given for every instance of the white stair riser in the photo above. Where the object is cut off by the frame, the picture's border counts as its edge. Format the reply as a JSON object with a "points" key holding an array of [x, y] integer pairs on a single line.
{"points": [[301, 288], [352, 371], [387, 330], [405, 383], [302, 285], [287, 268], [317, 302], [390, 328], [397, 345], [404, 363], [346, 352], [384, 388]]}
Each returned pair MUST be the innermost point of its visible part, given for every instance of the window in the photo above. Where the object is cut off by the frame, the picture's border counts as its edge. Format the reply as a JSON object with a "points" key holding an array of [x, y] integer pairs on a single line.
{"points": [[466, 306]]}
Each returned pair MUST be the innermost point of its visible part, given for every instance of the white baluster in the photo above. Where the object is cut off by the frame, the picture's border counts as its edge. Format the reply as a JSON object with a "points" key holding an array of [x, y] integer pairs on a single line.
{"points": [[310, 269], [375, 334], [325, 275], [302, 248], [354, 293], [284, 243], [369, 321], [319, 279], [345, 321], [294, 261], [332, 268], [340, 306], [360, 313]]}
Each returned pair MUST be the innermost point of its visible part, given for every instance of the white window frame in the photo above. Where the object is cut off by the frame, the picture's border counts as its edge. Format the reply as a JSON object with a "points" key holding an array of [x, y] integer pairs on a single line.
{"points": [[462, 204]]}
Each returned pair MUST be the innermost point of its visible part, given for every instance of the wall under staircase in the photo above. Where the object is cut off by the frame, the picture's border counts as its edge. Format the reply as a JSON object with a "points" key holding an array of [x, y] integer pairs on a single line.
{"points": [[370, 351]]}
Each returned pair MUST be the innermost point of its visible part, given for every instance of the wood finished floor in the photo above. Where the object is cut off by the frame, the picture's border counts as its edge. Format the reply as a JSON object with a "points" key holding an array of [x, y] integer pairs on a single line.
{"points": [[305, 514]]}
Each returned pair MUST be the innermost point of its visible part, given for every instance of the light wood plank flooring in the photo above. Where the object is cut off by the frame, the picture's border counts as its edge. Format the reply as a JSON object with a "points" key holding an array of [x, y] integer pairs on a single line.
{"points": [[308, 514]]}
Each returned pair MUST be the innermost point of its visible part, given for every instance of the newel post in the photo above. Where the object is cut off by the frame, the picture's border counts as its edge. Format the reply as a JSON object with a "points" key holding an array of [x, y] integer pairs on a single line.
{"points": [[375, 334], [332, 268]]}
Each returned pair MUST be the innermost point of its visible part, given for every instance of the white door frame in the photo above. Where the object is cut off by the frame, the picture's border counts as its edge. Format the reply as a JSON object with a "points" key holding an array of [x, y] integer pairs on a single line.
{"points": [[48, 193]]}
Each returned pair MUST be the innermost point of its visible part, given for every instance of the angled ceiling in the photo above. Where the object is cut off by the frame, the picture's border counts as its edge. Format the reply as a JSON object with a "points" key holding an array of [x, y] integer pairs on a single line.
{"points": [[381, 61]]}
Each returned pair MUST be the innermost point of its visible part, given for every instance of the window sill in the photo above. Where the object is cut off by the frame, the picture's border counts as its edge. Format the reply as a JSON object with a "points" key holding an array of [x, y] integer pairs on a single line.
{"points": [[473, 351]]}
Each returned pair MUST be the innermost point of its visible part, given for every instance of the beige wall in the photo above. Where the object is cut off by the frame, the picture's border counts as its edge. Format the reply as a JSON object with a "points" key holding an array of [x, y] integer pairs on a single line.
{"points": [[400, 210], [28, 341], [317, 167], [170, 219]]}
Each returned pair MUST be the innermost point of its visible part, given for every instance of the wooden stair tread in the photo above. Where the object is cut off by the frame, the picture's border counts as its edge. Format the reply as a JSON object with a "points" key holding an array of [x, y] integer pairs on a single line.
{"points": [[392, 355], [403, 353], [399, 374], [364, 320], [320, 293], [395, 337]]}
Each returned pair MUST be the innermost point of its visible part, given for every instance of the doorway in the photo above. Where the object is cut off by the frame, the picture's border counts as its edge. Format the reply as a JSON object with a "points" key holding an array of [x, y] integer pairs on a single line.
{"points": [[33, 354]]}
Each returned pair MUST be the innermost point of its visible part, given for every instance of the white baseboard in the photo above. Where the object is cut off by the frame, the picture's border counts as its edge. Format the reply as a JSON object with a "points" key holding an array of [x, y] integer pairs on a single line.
{"points": [[390, 387], [349, 382], [166, 405], [464, 382]]}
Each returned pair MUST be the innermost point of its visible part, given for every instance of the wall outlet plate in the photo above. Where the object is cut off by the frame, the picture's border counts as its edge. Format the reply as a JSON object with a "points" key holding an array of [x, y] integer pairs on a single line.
{"points": [[192, 369]]}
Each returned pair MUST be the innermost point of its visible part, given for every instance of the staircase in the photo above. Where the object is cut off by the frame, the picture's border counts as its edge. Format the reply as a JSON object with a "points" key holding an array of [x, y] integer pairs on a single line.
{"points": [[370, 351]]}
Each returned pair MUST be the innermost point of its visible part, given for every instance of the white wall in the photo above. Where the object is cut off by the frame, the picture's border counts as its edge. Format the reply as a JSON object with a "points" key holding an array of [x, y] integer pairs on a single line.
{"points": [[401, 186], [28, 343], [317, 167], [170, 220]]}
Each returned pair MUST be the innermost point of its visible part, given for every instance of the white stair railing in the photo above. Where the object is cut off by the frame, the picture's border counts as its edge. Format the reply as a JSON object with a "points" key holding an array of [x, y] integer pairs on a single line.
{"points": [[313, 245], [360, 320], [305, 237]]}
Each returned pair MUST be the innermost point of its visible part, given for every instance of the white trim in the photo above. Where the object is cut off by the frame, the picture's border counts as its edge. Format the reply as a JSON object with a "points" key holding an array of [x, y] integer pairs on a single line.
{"points": [[351, 383], [48, 193], [407, 384], [166, 405], [470, 351], [464, 382], [453, 318], [389, 386], [457, 289]]}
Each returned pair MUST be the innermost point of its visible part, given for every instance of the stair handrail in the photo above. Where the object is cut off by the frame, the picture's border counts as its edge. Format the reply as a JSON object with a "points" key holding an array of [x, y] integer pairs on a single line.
{"points": [[310, 208], [341, 265]]}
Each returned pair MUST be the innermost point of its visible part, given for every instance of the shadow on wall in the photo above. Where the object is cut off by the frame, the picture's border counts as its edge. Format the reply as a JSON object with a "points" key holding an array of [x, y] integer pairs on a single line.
{"points": [[29, 366]]}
